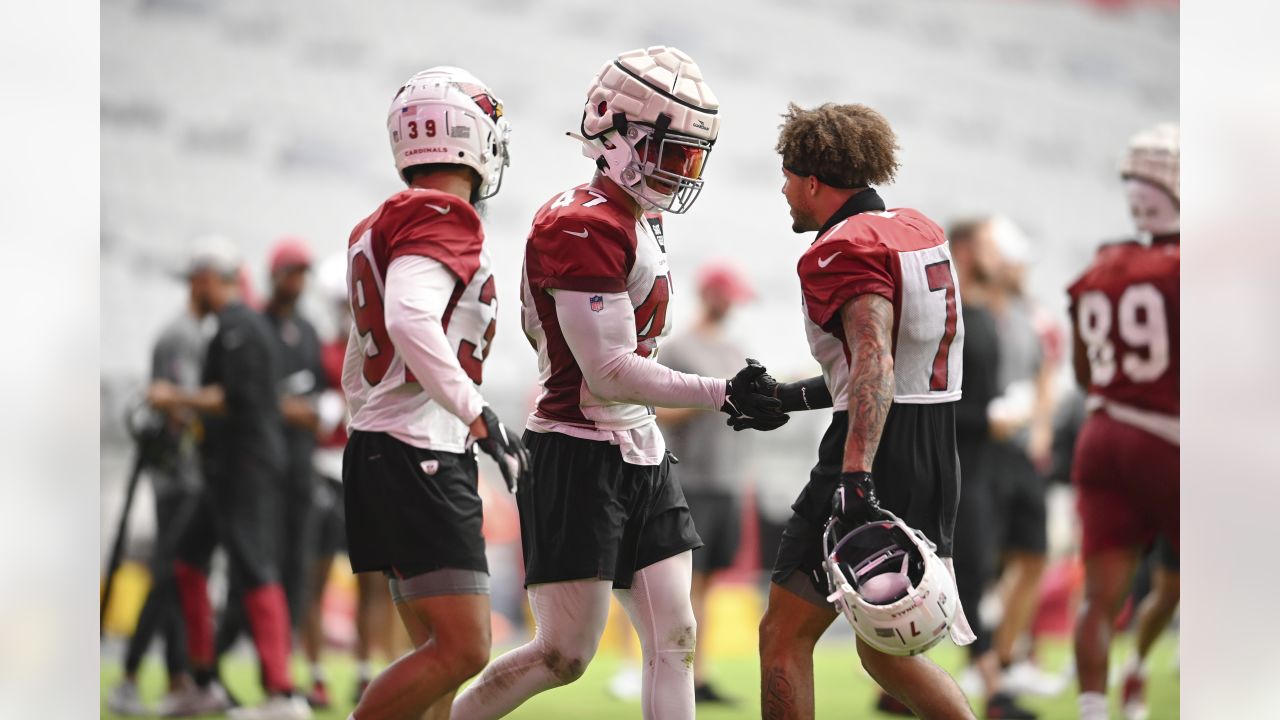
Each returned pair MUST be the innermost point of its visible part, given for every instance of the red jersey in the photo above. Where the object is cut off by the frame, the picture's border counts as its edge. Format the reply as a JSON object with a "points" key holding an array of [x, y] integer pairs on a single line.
{"points": [[1124, 310], [582, 241], [902, 256], [382, 393]]}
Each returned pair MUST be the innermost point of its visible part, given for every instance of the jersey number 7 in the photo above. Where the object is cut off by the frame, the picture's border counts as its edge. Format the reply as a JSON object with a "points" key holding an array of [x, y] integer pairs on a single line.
{"points": [[939, 276]]}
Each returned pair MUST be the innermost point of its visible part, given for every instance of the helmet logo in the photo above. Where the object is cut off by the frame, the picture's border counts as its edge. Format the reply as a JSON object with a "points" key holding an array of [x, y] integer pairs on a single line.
{"points": [[487, 103]]}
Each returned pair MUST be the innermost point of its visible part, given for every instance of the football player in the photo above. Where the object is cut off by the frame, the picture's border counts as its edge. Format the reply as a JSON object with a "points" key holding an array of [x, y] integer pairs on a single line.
{"points": [[423, 306], [603, 512], [882, 315], [1124, 312]]}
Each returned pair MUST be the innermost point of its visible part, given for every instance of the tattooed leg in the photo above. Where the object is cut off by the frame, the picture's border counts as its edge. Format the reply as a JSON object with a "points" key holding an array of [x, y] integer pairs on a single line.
{"points": [[790, 629]]}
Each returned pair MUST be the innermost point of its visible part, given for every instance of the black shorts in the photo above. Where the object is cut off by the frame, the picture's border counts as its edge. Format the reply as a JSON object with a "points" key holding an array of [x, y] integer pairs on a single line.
{"points": [[1019, 493], [408, 510], [917, 477], [587, 514], [717, 517]]}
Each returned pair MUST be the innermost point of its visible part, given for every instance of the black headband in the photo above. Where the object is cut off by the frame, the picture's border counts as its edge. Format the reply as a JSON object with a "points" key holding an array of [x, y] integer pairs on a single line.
{"points": [[824, 181]]}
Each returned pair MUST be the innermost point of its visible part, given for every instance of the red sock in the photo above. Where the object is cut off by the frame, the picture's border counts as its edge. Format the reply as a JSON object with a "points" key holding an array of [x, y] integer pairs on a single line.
{"points": [[269, 619], [197, 613]]}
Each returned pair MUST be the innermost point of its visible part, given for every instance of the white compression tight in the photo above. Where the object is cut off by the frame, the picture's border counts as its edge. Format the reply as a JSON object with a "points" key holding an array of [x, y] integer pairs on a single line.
{"points": [[659, 607], [570, 620]]}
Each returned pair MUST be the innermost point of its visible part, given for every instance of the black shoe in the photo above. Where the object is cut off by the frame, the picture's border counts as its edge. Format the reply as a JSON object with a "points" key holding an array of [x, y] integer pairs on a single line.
{"points": [[704, 693], [1002, 705], [891, 705]]}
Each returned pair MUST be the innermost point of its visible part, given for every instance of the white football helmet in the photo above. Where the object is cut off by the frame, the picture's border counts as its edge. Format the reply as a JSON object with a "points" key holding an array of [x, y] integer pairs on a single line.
{"points": [[1153, 156], [889, 583], [649, 123], [446, 115]]}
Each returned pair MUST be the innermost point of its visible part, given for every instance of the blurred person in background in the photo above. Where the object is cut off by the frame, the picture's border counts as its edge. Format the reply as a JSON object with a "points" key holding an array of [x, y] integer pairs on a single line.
{"points": [[977, 263], [174, 471], [244, 461], [424, 304], [374, 609], [1124, 310], [710, 470], [1021, 421], [881, 312], [303, 379], [300, 382], [605, 512]]}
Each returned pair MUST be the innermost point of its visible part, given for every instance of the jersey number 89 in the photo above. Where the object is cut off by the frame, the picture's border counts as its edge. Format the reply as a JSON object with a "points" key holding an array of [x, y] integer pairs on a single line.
{"points": [[1142, 330]]}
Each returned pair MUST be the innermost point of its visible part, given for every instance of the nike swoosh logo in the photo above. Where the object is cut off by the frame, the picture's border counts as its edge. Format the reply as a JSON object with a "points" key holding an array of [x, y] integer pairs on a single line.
{"points": [[442, 210], [581, 234], [825, 262]]}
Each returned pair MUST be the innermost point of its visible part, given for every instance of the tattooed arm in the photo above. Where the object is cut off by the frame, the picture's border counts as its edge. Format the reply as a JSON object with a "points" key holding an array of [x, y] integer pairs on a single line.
{"points": [[868, 331]]}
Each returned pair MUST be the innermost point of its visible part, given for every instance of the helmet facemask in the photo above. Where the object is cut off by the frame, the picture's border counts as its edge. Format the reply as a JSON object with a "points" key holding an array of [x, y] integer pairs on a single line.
{"points": [[662, 170], [877, 562]]}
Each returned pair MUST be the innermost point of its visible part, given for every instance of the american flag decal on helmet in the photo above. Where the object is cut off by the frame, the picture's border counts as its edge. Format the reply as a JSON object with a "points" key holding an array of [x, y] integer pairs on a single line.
{"points": [[597, 303]]}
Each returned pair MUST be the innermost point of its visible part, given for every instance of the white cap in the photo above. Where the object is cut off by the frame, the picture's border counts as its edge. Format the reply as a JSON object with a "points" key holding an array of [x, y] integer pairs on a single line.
{"points": [[216, 253], [331, 277], [1011, 241]]}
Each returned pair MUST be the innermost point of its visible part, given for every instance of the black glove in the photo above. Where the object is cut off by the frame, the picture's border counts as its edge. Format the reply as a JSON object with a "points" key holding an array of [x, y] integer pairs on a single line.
{"points": [[749, 400], [855, 501], [505, 447]]}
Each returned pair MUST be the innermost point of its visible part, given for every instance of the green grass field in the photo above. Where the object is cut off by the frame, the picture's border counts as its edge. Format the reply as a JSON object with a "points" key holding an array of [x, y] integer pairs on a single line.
{"points": [[843, 689]]}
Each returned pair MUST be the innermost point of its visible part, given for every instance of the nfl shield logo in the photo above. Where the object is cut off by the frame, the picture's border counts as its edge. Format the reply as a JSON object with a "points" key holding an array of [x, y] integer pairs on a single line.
{"points": [[597, 303]]}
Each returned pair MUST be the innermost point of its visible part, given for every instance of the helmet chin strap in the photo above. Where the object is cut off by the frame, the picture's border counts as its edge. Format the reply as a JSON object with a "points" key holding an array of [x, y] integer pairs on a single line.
{"points": [[616, 158]]}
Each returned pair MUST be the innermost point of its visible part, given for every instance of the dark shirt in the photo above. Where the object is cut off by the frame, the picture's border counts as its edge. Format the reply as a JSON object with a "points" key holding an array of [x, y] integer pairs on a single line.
{"points": [[981, 373], [301, 373], [243, 359]]}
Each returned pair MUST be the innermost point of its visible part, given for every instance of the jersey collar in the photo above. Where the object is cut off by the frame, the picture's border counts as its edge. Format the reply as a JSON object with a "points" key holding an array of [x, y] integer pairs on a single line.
{"points": [[866, 201]]}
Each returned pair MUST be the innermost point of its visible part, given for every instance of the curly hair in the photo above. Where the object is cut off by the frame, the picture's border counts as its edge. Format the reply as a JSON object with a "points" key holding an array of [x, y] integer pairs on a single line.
{"points": [[844, 146]]}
